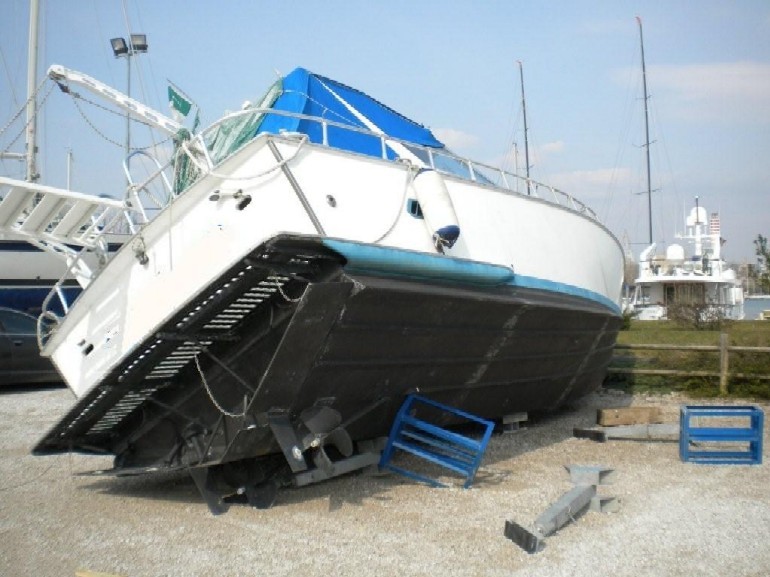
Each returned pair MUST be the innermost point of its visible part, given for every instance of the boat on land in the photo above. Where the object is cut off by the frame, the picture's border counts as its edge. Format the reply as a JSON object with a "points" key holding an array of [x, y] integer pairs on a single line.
{"points": [[313, 259]]}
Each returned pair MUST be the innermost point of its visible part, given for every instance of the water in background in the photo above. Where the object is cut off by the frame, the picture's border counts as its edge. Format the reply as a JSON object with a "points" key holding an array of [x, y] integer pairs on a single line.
{"points": [[752, 307]]}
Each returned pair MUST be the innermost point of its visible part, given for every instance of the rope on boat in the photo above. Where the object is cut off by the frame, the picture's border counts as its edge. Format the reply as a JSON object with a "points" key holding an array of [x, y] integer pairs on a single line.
{"points": [[211, 395]]}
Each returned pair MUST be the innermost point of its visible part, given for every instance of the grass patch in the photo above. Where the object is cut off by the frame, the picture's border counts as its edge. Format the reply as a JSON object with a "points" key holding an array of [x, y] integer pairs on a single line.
{"points": [[740, 333]]}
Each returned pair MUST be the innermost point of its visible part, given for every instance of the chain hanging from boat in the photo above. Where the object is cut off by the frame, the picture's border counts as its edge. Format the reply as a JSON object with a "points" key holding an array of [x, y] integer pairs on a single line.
{"points": [[76, 97], [219, 407]]}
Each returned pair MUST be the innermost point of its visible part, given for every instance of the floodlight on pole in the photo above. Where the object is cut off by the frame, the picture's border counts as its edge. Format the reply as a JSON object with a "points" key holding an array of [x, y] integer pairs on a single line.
{"points": [[137, 44]]}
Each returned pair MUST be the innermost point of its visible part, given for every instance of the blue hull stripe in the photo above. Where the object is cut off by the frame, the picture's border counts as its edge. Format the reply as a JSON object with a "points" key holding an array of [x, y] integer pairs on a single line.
{"points": [[367, 258]]}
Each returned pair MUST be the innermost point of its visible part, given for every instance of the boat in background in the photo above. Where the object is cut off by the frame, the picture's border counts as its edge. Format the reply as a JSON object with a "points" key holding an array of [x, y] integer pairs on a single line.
{"points": [[28, 275], [317, 257], [690, 273], [29, 270]]}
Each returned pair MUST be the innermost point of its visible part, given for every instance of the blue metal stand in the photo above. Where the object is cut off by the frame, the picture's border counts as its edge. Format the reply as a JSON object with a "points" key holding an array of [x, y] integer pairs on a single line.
{"points": [[428, 441], [713, 439]]}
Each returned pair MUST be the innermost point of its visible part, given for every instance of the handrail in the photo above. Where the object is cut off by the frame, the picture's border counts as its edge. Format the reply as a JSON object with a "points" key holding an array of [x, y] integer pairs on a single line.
{"points": [[132, 193], [477, 171], [98, 227]]}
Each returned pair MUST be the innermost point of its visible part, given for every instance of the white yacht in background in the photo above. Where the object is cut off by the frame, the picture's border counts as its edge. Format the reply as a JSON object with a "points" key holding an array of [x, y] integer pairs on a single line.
{"points": [[690, 272]]}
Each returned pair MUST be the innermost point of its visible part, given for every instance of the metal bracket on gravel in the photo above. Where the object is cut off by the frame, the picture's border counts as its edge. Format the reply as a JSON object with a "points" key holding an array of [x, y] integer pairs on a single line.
{"points": [[568, 507], [644, 432]]}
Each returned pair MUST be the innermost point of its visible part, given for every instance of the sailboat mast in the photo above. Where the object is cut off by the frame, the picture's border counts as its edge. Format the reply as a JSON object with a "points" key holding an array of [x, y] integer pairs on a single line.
{"points": [[31, 130], [526, 142], [646, 129]]}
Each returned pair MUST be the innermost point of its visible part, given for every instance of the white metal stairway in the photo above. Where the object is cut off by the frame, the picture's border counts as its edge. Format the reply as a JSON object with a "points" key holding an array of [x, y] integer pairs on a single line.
{"points": [[58, 221]]}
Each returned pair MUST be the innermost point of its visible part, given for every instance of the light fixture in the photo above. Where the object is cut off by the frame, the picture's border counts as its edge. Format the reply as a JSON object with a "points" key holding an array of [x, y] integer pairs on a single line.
{"points": [[138, 43], [119, 47]]}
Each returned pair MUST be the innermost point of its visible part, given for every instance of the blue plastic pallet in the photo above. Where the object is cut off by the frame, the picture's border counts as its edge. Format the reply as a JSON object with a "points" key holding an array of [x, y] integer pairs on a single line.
{"points": [[449, 449], [716, 444]]}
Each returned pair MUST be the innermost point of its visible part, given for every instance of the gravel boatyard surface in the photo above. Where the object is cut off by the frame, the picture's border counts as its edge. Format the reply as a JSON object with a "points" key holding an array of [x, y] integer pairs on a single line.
{"points": [[673, 519]]}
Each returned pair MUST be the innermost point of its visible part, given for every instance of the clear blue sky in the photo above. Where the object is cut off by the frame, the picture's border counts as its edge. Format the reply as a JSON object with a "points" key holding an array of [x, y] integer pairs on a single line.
{"points": [[451, 65]]}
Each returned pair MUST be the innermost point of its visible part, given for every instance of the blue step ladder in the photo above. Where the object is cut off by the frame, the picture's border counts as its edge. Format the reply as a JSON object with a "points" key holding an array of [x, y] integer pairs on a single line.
{"points": [[449, 449], [728, 427]]}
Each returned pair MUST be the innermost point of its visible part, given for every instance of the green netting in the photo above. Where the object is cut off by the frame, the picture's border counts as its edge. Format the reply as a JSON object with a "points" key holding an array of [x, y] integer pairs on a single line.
{"points": [[224, 138]]}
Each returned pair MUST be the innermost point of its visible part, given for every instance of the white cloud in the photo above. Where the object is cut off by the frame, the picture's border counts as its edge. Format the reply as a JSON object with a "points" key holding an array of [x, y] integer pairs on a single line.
{"points": [[551, 148], [736, 92], [456, 140], [591, 183], [514, 158]]}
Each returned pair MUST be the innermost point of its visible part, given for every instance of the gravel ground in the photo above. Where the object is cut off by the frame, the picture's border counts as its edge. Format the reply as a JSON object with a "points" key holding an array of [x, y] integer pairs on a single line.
{"points": [[673, 519]]}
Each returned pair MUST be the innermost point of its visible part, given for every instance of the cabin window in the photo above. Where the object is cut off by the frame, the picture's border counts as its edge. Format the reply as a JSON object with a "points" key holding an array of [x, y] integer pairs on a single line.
{"points": [[451, 165], [413, 208], [645, 296], [685, 294]]}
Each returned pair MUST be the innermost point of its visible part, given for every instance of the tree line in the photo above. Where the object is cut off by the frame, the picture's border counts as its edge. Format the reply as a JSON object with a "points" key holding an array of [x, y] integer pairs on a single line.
{"points": [[763, 264]]}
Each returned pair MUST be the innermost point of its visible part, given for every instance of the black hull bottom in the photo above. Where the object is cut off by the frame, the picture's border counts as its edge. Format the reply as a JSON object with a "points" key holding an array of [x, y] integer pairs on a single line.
{"points": [[289, 330]]}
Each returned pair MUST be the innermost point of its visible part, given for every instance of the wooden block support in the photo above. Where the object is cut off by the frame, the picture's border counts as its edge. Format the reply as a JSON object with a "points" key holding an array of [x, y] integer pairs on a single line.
{"points": [[629, 416], [513, 422]]}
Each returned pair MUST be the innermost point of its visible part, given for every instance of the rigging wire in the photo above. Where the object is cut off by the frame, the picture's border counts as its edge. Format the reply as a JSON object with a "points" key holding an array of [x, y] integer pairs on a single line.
{"points": [[13, 22], [626, 123], [14, 98], [667, 215], [140, 65], [629, 212], [153, 84], [510, 151], [41, 160], [101, 34]]}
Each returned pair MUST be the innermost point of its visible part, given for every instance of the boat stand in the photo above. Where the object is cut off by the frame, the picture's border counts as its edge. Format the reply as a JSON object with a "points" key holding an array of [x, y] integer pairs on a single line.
{"points": [[568, 507], [315, 447], [721, 435], [430, 442]]}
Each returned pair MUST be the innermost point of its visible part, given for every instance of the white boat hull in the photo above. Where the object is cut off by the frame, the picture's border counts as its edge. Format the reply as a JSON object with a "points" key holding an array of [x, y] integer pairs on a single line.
{"points": [[353, 197], [314, 259]]}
